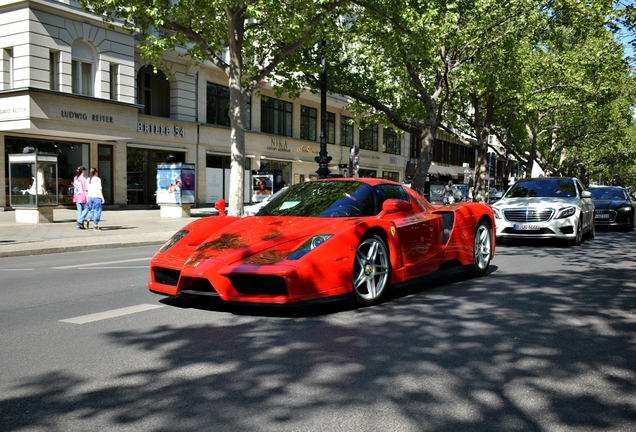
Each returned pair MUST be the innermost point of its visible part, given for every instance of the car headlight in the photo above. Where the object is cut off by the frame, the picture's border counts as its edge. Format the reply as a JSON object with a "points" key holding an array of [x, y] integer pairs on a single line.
{"points": [[624, 209], [497, 213], [566, 212], [173, 240], [309, 245]]}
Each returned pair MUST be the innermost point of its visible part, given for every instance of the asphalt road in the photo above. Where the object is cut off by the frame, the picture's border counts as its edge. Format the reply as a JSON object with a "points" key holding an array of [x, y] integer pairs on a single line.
{"points": [[545, 342]]}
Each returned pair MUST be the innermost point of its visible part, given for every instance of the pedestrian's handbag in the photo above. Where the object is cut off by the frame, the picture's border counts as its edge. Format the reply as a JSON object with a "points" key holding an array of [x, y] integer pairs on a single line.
{"points": [[71, 190]]}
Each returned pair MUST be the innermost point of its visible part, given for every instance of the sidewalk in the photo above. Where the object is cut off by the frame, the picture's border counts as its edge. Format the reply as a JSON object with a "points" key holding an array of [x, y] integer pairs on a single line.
{"points": [[120, 228]]}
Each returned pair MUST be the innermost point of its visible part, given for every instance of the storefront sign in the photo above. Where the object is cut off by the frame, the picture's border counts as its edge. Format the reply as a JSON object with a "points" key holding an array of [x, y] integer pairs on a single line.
{"points": [[308, 149], [392, 160], [278, 144], [14, 107], [78, 115], [160, 129]]}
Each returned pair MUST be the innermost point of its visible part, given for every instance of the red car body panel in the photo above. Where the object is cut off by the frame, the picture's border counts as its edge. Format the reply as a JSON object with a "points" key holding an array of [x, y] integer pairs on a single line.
{"points": [[246, 259]]}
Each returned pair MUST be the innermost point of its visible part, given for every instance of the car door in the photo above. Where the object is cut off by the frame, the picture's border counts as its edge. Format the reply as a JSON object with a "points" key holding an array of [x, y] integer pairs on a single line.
{"points": [[415, 230], [587, 207]]}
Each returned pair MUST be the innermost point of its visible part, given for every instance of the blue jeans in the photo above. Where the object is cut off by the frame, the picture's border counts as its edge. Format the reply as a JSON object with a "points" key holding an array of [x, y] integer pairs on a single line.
{"points": [[82, 211], [95, 206]]}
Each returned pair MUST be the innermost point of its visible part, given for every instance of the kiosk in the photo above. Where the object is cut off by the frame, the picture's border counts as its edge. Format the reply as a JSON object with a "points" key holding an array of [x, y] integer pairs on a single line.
{"points": [[175, 189], [33, 186]]}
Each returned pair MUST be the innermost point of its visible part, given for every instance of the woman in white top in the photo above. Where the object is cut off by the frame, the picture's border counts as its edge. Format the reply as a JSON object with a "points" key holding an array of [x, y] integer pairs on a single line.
{"points": [[95, 198]]}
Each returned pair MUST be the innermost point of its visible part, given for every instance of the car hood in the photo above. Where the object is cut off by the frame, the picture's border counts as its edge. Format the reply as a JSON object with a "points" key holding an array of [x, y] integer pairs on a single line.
{"points": [[248, 236], [553, 202], [609, 204]]}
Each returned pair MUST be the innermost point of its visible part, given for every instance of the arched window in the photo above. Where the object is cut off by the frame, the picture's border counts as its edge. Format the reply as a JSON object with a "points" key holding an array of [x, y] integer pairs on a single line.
{"points": [[83, 68], [153, 92]]}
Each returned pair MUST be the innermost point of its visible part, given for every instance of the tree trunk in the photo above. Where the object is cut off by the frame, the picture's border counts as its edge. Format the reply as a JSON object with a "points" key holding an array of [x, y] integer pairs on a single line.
{"points": [[425, 141], [236, 27]]}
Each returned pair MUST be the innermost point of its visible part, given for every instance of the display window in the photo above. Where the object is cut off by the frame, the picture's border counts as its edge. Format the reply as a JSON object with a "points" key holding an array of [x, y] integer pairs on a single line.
{"points": [[70, 155]]}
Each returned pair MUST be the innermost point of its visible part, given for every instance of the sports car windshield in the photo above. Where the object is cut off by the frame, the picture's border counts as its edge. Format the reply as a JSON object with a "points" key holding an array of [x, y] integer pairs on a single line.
{"points": [[542, 188], [608, 194], [323, 199]]}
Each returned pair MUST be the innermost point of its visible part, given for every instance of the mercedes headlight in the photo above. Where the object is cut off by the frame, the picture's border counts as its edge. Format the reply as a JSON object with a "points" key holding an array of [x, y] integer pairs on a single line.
{"points": [[497, 213], [566, 212]]}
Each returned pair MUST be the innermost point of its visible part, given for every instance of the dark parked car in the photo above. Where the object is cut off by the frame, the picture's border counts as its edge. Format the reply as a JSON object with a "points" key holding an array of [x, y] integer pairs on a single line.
{"points": [[614, 208]]}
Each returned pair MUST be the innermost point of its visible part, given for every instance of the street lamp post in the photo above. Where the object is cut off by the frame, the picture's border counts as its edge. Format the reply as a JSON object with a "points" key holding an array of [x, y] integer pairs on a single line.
{"points": [[323, 158]]}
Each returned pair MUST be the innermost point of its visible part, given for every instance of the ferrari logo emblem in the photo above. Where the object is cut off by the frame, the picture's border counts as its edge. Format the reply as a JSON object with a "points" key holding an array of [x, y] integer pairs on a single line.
{"points": [[393, 231]]}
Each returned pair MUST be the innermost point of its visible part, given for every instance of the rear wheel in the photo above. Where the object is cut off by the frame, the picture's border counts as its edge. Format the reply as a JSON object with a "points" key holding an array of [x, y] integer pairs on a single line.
{"points": [[370, 270], [482, 252]]}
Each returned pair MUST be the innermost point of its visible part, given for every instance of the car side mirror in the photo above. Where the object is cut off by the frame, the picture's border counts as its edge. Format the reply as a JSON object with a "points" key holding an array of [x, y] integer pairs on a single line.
{"points": [[220, 206], [394, 206], [586, 194]]}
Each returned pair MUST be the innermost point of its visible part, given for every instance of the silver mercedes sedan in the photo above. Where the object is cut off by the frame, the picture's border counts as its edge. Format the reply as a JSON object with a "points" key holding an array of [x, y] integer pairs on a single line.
{"points": [[545, 207]]}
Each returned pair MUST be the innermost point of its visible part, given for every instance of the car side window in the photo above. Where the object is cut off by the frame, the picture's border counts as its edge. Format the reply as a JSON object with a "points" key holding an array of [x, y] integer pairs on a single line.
{"points": [[579, 188], [390, 191]]}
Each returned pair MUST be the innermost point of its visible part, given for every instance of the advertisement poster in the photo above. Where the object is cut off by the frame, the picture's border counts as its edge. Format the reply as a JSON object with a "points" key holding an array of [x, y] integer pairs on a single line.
{"points": [[262, 187], [175, 183]]}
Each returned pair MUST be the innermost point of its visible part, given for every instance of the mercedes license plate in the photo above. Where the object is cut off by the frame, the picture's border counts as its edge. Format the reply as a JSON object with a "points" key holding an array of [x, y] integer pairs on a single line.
{"points": [[526, 227]]}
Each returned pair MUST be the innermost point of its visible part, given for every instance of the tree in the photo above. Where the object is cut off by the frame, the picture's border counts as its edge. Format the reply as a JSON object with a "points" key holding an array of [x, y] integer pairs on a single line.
{"points": [[398, 60], [256, 35]]}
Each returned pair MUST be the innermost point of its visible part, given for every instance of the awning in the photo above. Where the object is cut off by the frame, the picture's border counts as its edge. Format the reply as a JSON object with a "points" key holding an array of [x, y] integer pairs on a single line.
{"points": [[442, 171]]}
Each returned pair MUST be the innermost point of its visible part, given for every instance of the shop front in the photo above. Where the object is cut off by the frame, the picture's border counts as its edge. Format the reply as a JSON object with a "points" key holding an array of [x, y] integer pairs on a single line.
{"points": [[79, 130]]}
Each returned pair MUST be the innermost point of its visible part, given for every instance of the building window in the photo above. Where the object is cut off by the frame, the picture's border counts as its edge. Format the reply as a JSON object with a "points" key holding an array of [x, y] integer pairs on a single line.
{"points": [[7, 68], [276, 117], [392, 141], [70, 156], [414, 147], [331, 128], [391, 175], [369, 137], [153, 92], [82, 69], [308, 122], [54, 70], [218, 106], [114, 81], [346, 131]]}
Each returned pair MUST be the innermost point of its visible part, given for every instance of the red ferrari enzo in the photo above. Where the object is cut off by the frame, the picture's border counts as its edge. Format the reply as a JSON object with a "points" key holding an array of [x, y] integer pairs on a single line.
{"points": [[324, 239]]}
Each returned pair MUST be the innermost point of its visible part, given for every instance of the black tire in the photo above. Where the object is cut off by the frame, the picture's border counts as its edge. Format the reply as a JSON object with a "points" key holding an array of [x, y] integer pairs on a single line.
{"points": [[371, 271], [482, 249], [578, 238], [592, 233]]}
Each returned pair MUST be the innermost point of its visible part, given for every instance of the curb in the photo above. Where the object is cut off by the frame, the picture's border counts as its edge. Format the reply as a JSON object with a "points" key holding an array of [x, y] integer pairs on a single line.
{"points": [[81, 248]]}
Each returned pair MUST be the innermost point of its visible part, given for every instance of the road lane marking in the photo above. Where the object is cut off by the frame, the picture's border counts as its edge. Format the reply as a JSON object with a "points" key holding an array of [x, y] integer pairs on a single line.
{"points": [[100, 263], [111, 314], [111, 268], [1, 270]]}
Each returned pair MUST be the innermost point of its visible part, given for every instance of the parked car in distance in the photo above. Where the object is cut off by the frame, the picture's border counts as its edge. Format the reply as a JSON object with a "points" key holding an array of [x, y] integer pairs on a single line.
{"points": [[613, 207], [545, 207]]}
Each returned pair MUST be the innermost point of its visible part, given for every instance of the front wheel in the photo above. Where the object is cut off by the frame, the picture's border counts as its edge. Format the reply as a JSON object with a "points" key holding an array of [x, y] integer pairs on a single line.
{"points": [[370, 270], [578, 239], [482, 251], [592, 232]]}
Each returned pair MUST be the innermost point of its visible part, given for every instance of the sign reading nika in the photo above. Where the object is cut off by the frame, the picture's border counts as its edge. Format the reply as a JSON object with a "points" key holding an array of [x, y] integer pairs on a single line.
{"points": [[278, 144], [160, 130]]}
